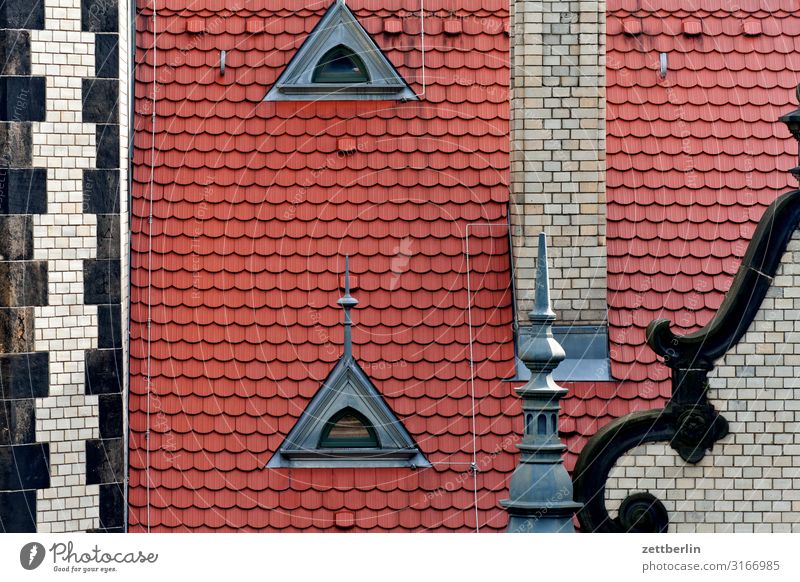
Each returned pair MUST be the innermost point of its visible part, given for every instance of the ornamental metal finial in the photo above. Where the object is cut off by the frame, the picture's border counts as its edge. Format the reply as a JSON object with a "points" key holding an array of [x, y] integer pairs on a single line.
{"points": [[541, 298], [792, 121], [540, 493], [347, 302]]}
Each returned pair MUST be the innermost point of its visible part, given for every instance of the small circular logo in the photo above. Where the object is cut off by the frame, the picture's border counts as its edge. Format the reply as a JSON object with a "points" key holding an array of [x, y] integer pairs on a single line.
{"points": [[31, 555]]}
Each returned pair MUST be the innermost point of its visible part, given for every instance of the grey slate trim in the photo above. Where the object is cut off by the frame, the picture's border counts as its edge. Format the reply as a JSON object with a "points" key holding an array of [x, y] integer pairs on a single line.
{"points": [[101, 281], [16, 146], [23, 191], [22, 98], [17, 421], [107, 140], [104, 461], [99, 16], [108, 241], [16, 330], [103, 371], [15, 52], [112, 508], [18, 511], [22, 14], [16, 237], [23, 283], [24, 375], [100, 100], [24, 466], [106, 55], [110, 415], [101, 191], [109, 323], [105, 457]]}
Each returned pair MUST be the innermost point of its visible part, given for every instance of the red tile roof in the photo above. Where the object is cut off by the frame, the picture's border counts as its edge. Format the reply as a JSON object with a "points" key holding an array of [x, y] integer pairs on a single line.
{"points": [[255, 205], [693, 161]]}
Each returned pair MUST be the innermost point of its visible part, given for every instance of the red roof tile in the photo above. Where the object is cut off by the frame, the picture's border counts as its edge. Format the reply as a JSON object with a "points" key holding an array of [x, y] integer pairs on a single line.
{"points": [[255, 205]]}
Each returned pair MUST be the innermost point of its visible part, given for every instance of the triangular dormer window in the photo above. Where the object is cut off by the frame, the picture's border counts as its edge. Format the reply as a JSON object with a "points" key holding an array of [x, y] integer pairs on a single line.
{"points": [[339, 61], [348, 423]]}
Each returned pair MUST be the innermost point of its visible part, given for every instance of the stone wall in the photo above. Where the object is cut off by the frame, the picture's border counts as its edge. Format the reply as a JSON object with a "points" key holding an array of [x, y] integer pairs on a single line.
{"points": [[750, 482], [558, 152], [61, 351]]}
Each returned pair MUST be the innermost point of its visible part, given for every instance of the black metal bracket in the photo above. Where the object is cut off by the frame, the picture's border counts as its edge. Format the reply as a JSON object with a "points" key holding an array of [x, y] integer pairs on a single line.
{"points": [[689, 421]]}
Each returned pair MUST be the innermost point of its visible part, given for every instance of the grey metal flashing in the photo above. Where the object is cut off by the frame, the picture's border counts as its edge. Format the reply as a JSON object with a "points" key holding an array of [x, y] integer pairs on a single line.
{"points": [[586, 347], [339, 27]]}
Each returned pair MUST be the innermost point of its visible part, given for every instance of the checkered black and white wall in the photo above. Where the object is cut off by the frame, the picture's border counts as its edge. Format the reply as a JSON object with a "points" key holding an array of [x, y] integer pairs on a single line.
{"points": [[63, 152]]}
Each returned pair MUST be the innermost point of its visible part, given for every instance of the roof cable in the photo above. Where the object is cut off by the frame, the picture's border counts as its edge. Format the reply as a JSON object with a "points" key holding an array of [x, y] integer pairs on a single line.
{"points": [[473, 466], [149, 380]]}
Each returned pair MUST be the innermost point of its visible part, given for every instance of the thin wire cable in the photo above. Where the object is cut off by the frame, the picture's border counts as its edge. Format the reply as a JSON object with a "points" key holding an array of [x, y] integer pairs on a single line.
{"points": [[150, 253], [474, 465]]}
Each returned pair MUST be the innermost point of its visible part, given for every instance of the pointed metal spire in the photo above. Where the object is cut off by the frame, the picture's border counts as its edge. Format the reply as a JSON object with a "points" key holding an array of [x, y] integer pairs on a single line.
{"points": [[541, 297], [540, 492], [347, 302]]}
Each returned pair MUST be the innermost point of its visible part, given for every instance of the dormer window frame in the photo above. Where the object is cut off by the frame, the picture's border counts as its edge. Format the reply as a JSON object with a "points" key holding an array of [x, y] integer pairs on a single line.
{"points": [[339, 27]]}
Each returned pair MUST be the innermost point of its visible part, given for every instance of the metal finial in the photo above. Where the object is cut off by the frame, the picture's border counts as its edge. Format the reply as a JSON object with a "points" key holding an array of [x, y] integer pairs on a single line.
{"points": [[792, 121], [540, 491], [347, 302], [541, 298]]}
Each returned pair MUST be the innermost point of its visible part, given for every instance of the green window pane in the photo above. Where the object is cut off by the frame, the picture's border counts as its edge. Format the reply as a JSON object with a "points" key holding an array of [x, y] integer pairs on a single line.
{"points": [[340, 65]]}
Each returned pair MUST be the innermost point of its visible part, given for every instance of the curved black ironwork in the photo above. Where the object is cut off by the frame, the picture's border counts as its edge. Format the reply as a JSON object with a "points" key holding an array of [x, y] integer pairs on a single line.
{"points": [[689, 421]]}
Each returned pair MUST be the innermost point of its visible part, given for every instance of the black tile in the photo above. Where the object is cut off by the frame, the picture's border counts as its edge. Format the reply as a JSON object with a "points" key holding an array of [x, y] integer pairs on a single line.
{"points": [[23, 191], [22, 14], [16, 237], [16, 330], [23, 283], [107, 139], [106, 56], [103, 371], [112, 506], [110, 406], [104, 461], [24, 375], [24, 466], [18, 511], [22, 99], [100, 101], [109, 323], [101, 191], [99, 16], [101, 281], [16, 146], [17, 421], [108, 242], [15, 52]]}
